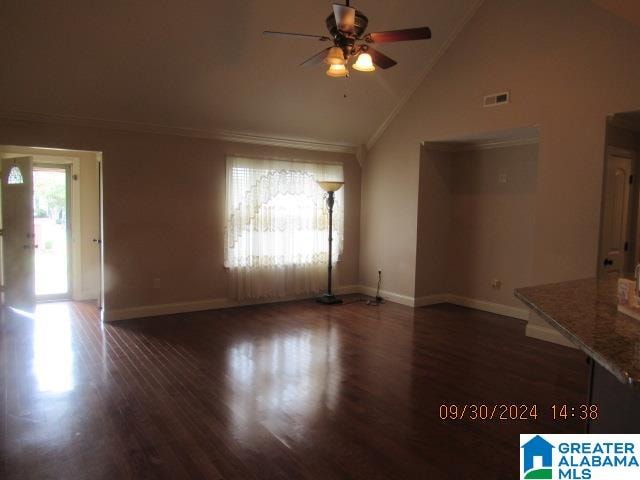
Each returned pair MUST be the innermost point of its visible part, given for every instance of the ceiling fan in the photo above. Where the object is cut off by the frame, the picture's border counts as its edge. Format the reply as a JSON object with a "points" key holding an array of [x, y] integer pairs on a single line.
{"points": [[347, 27]]}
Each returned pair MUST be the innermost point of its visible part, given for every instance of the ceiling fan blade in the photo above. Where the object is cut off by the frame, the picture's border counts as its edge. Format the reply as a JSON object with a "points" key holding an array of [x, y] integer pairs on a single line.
{"points": [[320, 38], [316, 59], [380, 59], [420, 33], [345, 17]]}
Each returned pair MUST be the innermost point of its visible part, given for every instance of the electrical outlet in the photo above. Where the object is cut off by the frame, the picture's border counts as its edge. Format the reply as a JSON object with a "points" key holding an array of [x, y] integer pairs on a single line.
{"points": [[502, 178], [156, 283], [496, 284]]}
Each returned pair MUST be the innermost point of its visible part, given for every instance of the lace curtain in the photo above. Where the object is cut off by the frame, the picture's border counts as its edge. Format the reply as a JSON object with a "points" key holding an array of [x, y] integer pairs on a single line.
{"points": [[277, 231]]}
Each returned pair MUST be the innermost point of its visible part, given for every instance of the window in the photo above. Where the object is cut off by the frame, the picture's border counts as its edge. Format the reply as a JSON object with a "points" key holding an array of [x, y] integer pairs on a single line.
{"points": [[276, 238]]}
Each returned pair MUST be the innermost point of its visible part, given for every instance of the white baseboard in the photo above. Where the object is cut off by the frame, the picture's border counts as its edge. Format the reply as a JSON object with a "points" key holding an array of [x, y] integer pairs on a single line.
{"points": [[432, 300], [497, 308], [548, 334], [535, 331], [391, 296], [483, 305], [540, 332], [164, 309], [201, 305]]}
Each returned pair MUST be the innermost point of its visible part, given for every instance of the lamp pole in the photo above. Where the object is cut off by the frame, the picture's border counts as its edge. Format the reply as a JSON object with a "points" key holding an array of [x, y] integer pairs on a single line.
{"points": [[330, 202], [330, 187]]}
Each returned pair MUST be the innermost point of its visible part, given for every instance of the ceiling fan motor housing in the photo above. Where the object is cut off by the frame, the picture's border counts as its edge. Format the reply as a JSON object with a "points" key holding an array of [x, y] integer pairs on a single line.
{"points": [[347, 40]]}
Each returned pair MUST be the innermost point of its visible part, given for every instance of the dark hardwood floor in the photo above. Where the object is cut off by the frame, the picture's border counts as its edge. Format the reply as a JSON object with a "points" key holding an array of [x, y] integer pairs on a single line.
{"points": [[280, 391]]}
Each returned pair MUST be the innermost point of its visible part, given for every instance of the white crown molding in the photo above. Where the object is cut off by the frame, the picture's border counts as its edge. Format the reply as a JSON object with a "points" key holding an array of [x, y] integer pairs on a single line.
{"points": [[470, 146], [221, 135], [425, 71], [303, 144], [361, 154]]}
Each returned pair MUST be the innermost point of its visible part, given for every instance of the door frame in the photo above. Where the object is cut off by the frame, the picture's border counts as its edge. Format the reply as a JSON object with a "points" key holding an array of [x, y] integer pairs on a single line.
{"points": [[101, 234], [67, 167]]}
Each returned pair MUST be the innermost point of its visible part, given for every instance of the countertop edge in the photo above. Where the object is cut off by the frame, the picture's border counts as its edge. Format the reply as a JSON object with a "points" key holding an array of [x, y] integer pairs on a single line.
{"points": [[622, 376]]}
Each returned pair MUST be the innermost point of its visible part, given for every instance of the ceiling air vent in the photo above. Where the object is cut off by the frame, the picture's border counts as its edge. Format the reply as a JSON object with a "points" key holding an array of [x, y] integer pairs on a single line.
{"points": [[496, 99]]}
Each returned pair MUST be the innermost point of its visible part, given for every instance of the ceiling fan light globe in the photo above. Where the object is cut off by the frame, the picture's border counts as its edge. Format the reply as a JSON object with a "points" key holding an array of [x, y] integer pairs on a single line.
{"points": [[335, 56], [337, 71], [364, 63]]}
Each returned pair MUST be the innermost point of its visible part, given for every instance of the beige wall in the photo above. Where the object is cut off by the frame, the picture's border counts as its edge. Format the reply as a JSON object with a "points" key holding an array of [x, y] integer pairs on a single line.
{"points": [[492, 224], [473, 229], [434, 223], [164, 202], [567, 65]]}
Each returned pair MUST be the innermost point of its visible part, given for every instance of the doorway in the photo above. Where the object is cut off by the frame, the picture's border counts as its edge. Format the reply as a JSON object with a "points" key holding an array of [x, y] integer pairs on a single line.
{"points": [[50, 236], [52, 228], [619, 249]]}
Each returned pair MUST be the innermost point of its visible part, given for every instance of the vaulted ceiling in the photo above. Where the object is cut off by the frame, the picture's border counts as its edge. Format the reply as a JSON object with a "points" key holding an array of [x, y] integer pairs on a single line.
{"points": [[627, 9], [205, 65]]}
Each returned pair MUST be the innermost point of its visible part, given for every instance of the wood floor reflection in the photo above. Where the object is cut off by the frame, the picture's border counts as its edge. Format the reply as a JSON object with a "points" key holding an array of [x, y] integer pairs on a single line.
{"points": [[280, 391]]}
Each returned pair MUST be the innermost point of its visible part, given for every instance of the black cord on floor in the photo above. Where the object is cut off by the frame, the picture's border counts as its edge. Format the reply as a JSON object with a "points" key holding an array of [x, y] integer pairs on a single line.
{"points": [[356, 300]]}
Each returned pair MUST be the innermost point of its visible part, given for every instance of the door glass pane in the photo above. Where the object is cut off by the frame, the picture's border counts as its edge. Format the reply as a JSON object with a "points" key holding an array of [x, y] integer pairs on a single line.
{"points": [[50, 222], [15, 176]]}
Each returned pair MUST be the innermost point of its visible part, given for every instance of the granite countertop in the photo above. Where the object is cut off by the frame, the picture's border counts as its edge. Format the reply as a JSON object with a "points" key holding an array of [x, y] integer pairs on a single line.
{"points": [[585, 312]]}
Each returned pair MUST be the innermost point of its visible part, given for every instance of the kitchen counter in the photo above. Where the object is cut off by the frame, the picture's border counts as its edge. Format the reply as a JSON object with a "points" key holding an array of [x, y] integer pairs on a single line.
{"points": [[585, 312]]}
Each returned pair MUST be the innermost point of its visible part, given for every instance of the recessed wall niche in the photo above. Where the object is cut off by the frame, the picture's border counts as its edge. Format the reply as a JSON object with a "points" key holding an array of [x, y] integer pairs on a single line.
{"points": [[476, 218]]}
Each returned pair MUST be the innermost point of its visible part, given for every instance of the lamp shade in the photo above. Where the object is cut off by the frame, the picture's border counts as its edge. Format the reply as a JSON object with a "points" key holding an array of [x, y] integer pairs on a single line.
{"points": [[331, 186], [337, 71], [334, 56], [364, 63]]}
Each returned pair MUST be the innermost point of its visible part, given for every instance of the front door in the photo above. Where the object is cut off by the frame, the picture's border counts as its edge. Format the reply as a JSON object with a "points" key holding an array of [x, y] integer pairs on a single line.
{"points": [[18, 239], [614, 244]]}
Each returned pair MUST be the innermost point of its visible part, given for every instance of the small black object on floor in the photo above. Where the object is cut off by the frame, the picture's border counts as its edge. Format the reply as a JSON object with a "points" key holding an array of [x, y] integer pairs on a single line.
{"points": [[328, 299]]}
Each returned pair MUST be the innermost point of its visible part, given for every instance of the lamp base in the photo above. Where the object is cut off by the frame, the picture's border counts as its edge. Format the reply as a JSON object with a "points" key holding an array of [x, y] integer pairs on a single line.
{"points": [[328, 299]]}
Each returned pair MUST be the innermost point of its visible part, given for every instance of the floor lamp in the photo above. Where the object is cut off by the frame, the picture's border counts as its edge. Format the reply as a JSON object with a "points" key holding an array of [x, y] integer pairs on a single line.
{"points": [[331, 188]]}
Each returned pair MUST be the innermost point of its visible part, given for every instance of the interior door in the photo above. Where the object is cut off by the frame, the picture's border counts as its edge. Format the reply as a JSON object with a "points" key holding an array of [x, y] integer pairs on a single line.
{"points": [[18, 242], [614, 244]]}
